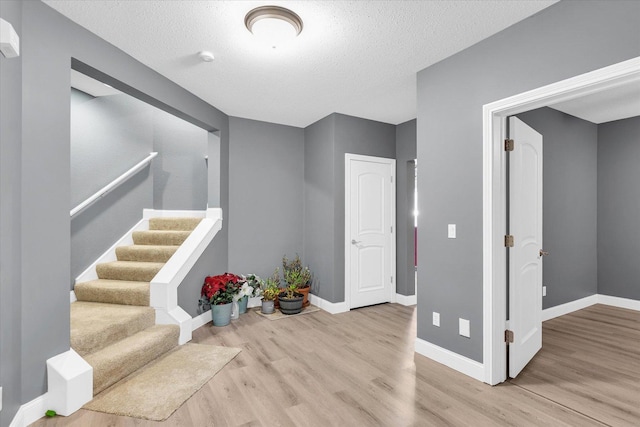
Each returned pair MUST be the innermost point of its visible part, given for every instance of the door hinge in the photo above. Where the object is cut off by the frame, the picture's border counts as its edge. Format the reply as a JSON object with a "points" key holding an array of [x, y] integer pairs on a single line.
{"points": [[392, 179], [508, 145], [391, 279], [392, 229], [508, 241], [508, 336]]}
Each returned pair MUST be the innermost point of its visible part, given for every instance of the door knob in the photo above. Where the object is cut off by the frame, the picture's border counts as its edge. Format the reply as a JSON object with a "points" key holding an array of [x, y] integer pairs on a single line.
{"points": [[355, 242], [543, 253]]}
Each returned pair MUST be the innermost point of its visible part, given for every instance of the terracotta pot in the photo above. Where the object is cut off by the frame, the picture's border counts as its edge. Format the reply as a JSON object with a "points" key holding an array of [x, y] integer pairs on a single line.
{"points": [[305, 293]]}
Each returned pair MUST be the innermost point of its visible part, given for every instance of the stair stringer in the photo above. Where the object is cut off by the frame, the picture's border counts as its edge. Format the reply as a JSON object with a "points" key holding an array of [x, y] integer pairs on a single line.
{"points": [[164, 286]]}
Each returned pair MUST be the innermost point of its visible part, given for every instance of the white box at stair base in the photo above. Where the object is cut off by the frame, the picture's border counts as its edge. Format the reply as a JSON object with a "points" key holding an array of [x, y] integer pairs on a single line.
{"points": [[70, 382]]}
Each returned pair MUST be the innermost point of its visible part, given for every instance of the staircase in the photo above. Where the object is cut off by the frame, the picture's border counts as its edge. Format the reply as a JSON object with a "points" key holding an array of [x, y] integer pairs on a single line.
{"points": [[112, 325]]}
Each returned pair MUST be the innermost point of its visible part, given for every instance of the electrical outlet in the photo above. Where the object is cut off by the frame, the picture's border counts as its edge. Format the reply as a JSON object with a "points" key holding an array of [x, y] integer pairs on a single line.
{"points": [[544, 291], [436, 319], [464, 328], [451, 229]]}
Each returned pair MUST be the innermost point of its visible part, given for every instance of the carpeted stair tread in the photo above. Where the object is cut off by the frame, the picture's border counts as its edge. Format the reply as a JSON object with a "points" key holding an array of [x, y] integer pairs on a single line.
{"points": [[97, 325], [129, 270], [160, 237], [145, 253], [126, 356], [181, 224], [113, 292]]}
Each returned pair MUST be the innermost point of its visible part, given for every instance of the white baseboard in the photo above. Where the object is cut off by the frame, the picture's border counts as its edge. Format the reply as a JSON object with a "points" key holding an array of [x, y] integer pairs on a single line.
{"points": [[448, 358], [406, 299], [30, 412], [331, 307], [570, 307], [201, 320], [155, 213], [631, 304], [72, 297]]}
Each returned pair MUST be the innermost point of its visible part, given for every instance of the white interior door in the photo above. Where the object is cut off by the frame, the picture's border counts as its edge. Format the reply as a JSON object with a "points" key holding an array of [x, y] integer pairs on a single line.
{"points": [[525, 259], [369, 230]]}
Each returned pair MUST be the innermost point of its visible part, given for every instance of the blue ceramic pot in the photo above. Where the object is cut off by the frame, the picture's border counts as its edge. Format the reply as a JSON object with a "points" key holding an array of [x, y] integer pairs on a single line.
{"points": [[221, 314]]}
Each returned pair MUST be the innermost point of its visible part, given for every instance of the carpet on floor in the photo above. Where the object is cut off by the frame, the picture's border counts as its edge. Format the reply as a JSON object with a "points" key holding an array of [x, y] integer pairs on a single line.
{"points": [[158, 389], [277, 314]]}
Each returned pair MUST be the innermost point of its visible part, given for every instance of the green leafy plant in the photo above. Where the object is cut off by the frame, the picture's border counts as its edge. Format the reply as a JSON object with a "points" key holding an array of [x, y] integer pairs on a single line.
{"points": [[294, 273], [270, 286], [221, 289], [290, 292], [50, 413]]}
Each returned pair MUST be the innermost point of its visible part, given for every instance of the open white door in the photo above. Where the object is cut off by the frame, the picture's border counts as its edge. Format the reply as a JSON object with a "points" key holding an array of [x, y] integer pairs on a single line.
{"points": [[525, 259], [369, 230]]}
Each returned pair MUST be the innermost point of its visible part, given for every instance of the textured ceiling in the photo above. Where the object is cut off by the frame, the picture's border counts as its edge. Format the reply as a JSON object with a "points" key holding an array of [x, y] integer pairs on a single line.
{"points": [[353, 57]]}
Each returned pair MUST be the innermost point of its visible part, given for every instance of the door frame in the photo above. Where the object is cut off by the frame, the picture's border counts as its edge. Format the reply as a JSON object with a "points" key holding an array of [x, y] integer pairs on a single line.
{"points": [[494, 195], [347, 224]]}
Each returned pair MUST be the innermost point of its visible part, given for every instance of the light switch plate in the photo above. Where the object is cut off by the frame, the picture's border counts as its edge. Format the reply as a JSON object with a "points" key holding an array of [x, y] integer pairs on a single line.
{"points": [[544, 291], [465, 328], [436, 319], [451, 231]]}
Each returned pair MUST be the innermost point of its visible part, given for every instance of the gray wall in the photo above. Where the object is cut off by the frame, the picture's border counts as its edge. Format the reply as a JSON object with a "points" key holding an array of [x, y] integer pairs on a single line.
{"points": [[10, 225], [326, 143], [266, 182], [109, 135], [570, 204], [319, 203], [405, 183], [40, 276], [619, 208], [564, 40], [179, 170]]}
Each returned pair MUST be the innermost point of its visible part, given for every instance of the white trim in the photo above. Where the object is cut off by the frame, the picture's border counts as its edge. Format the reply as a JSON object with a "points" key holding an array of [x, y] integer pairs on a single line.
{"points": [[154, 213], [30, 412], [69, 382], [330, 307], [570, 307], [72, 297], [406, 299], [164, 286], [448, 358], [113, 184], [629, 304], [494, 193], [201, 320], [347, 224]]}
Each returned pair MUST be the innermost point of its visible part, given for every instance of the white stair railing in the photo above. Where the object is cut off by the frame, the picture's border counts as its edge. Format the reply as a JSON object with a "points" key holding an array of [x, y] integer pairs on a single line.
{"points": [[113, 184]]}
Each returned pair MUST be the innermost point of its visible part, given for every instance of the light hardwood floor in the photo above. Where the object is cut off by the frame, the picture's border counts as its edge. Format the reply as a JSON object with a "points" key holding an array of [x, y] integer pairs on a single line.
{"points": [[359, 369]]}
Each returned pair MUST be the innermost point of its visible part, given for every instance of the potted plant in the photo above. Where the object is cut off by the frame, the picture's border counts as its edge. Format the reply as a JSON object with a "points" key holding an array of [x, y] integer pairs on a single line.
{"points": [[242, 297], [291, 300], [270, 291], [297, 275], [256, 284], [218, 291]]}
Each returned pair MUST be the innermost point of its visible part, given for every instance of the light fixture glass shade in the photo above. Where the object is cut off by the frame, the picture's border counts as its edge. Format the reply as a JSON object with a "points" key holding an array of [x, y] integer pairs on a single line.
{"points": [[273, 25]]}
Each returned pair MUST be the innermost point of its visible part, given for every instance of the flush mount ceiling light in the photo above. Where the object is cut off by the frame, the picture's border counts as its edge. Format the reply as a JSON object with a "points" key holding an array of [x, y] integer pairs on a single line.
{"points": [[273, 24]]}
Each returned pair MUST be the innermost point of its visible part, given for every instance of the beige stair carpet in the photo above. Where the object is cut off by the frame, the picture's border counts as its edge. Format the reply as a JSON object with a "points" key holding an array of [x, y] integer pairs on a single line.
{"points": [[112, 325], [96, 325], [157, 390], [114, 292]]}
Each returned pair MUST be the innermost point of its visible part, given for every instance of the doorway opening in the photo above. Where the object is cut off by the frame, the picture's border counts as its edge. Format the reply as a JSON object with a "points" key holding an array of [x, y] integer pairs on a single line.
{"points": [[495, 195]]}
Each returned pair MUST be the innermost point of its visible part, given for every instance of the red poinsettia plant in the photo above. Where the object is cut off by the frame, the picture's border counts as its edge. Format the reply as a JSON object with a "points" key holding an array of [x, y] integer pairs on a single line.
{"points": [[220, 289]]}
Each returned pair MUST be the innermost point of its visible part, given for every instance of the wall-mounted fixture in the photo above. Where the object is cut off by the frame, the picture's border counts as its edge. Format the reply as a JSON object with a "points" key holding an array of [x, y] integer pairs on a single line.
{"points": [[274, 25], [205, 55], [9, 40]]}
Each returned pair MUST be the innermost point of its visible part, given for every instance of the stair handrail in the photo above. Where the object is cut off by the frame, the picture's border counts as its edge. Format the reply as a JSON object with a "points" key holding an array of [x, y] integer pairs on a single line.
{"points": [[113, 184]]}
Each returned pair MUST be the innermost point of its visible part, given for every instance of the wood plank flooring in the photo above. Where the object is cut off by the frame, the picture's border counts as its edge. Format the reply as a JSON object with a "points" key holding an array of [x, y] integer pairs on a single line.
{"points": [[359, 369]]}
